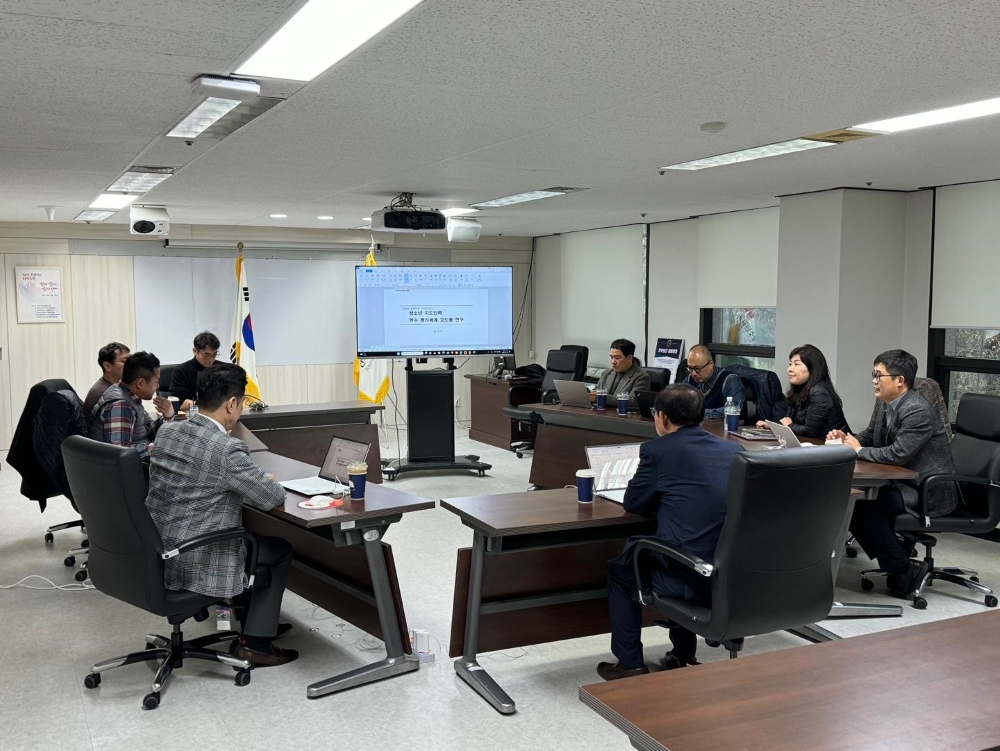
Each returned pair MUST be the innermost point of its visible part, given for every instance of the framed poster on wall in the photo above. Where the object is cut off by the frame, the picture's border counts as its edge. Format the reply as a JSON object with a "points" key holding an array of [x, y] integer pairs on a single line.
{"points": [[39, 294]]}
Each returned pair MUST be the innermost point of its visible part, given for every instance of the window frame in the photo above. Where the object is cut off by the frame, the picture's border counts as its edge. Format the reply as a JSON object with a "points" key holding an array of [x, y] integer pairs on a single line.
{"points": [[723, 348]]}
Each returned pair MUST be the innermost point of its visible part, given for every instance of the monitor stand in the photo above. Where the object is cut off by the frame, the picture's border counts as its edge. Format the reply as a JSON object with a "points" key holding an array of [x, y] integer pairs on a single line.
{"points": [[430, 418]]}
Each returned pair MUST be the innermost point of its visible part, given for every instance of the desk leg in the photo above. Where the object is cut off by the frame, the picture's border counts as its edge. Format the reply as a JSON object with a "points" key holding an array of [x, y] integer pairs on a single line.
{"points": [[861, 609], [467, 667], [396, 662]]}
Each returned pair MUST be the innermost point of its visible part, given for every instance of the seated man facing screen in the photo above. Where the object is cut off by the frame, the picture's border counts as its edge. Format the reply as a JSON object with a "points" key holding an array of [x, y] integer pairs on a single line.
{"points": [[199, 479], [111, 360], [907, 432], [715, 384], [682, 478], [624, 376], [119, 416], [184, 384]]}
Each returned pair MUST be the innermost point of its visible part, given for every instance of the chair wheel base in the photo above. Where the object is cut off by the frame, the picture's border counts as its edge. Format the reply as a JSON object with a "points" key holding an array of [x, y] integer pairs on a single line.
{"points": [[49, 538], [867, 585], [991, 601], [920, 603], [242, 678], [69, 561], [81, 575], [851, 552], [93, 680], [151, 701]]}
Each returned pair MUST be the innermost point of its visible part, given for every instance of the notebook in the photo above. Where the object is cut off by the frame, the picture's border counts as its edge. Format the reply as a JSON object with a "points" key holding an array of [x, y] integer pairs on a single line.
{"points": [[573, 393], [613, 467], [333, 474]]}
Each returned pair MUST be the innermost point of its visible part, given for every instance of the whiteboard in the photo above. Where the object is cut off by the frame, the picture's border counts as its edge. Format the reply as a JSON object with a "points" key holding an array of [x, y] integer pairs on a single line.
{"points": [[303, 312]]}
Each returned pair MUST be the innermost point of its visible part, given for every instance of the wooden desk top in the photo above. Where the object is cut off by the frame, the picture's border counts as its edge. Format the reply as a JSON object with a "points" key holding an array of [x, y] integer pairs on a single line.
{"points": [[253, 443], [379, 500], [250, 415], [510, 514], [920, 688], [519, 381]]}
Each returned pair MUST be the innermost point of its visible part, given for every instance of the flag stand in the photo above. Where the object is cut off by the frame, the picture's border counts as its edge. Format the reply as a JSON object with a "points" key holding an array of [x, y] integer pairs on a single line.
{"points": [[430, 417]]}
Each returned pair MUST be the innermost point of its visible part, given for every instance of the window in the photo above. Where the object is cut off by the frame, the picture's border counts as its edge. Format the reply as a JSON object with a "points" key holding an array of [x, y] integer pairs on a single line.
{"points": [[965, 361], [740, 336]]}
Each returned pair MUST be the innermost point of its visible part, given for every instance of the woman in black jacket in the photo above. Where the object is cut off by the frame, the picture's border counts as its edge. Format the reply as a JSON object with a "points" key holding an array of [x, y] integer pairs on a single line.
{"points": [[813, 403]]}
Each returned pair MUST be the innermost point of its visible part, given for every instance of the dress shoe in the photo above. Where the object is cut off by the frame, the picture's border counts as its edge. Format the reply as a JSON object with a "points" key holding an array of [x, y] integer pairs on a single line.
{"points": [[612, 671], [268, 656], [906, 583], [671, 661]]}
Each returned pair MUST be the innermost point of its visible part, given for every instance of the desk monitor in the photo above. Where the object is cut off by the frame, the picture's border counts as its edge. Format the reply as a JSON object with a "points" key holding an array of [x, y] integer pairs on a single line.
{"points": [[504, 364], [435, 311]]}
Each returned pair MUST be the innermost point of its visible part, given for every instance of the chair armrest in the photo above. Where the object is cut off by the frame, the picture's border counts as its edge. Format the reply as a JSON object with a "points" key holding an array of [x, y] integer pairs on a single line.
{"points": [[930, 481], [249, 539], [656, 545], [550, 397]]}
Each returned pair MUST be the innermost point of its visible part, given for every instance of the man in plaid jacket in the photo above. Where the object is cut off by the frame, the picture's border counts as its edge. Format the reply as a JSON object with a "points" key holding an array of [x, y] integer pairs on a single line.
{"points": [[199, 479]]}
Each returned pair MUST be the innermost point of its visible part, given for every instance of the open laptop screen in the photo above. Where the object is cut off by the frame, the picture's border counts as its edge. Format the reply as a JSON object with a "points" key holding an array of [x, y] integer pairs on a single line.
{"points": [[342, 452], [613, 465]]}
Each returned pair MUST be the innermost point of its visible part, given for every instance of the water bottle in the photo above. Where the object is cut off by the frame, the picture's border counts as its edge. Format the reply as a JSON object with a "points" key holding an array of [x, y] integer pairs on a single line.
{"points": [[732, 411]]}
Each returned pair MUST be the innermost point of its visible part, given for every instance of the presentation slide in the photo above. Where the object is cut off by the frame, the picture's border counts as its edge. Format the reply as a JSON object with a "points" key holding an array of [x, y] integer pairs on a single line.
{"points": [[435, 311]]}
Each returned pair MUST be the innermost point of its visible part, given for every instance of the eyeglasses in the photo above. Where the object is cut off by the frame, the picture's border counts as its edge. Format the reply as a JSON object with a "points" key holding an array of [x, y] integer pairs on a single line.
{"points": [[876, 375], [209, 355], [699, 368]]}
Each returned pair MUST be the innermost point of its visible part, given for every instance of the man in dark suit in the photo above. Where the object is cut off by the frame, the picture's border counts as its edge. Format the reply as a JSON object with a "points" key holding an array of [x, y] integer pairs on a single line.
{"points": [[682, 478], [184, 384], [904, 431], [199, 479], [625, 376]]}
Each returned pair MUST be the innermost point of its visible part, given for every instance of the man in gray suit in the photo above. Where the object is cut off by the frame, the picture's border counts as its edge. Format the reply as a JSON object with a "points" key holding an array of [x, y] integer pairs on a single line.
{"points": [[904, 431], [625, 376], [199, 479]]}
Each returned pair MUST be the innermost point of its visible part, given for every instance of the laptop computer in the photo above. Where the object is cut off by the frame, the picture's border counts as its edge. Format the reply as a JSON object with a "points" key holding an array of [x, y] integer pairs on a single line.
{"points": [[573, 393], [784, 433], [646, 401], [333, 474], [613, 467]]}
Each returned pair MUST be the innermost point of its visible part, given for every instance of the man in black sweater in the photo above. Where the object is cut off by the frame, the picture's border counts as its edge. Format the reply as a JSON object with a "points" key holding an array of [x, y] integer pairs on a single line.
{"points": [[184, 384]]}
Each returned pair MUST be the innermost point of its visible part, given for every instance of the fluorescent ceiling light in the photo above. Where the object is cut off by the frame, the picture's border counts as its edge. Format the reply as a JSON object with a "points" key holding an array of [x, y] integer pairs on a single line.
{"points": [[324, 218], [140, 179], [366, 219], [531, 195], [459, 212], [320, 34], [934, 117], [88, 215], [203, 117], [278, 216], [112, 201], [748, 155]]}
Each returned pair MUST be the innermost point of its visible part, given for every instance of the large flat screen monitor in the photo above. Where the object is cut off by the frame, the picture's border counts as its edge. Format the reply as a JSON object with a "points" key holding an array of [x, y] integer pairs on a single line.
{"points": [[435, 311]]}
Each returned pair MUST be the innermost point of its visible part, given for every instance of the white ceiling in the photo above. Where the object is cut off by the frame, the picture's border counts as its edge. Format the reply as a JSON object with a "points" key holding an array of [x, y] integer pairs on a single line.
{"points": [[466, 100]]}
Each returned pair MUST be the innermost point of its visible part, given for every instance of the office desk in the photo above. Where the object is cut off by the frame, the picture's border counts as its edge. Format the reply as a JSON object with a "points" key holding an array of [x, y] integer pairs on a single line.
{"points": [[304, 431], [488, 397], [243, 433], [340, 563], [866, 692], [537, 572]]}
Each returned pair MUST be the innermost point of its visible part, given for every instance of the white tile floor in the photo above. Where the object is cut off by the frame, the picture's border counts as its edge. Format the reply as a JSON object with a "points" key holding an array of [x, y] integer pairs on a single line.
{"points": [[52, 638]]}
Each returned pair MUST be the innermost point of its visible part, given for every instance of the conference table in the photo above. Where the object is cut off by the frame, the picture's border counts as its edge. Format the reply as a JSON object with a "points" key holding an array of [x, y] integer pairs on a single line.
{"points": [[866, 692], [537, 568], [304, 431], [340, 563], [488, 396]]}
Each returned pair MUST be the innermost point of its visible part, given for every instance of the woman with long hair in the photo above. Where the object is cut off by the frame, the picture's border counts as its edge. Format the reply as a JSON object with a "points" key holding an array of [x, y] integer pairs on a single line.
{"points": [[814, 406]]}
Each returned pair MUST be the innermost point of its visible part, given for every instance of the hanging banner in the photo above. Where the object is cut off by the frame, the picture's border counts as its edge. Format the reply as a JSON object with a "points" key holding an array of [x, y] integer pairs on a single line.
{"points": [[39, 294]]}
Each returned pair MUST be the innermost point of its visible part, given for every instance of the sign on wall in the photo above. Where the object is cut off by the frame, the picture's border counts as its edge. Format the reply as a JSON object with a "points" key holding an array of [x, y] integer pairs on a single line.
{"points": [[39, 294]]}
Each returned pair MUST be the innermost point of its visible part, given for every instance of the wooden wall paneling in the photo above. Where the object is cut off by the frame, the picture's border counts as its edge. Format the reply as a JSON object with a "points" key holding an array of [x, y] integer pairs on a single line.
{"points": [[38, 351], [283, 384], [103, 311], [8, 417]]}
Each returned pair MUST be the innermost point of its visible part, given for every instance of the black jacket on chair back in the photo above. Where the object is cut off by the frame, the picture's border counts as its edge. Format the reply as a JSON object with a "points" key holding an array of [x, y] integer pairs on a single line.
{"points": [[59, 417], [35, 482]]}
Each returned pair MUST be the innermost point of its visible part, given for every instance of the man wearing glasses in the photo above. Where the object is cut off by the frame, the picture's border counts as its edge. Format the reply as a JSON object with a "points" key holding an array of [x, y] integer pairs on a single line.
{"points": [[715, 384], [184, 384], [904, 431]]}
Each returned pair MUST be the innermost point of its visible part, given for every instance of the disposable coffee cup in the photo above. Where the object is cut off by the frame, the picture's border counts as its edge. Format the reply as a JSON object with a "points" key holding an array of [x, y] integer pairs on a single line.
{"points": [[623, 403], [585, 485], [357, 474], [733, 423], [175, 403], [602, 399]]}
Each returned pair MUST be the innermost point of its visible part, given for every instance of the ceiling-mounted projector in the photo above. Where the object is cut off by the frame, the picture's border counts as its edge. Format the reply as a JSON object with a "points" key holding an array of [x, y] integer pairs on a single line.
{"points": [[148, 220], [409, 220]]}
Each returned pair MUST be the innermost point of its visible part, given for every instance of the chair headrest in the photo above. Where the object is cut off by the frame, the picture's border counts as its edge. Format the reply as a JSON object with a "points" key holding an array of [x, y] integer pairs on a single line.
{"points": [[562, 360], [979, 417]]}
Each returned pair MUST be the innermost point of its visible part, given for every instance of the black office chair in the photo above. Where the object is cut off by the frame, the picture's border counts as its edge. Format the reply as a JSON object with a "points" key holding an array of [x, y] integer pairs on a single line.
{"points": [[975, 449], [36, 484], [785, 514], [166, 376], [748, 410], [126, 560], [658, 378], [560, 365], [582, 365]]}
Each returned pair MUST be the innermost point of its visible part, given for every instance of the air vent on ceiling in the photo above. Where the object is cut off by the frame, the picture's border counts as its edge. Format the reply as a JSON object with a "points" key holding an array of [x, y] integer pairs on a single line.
{"points": [[841, 135], [240, 116]]}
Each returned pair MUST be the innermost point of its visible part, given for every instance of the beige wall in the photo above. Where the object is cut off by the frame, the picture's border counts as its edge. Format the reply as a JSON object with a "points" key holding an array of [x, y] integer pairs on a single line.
{"points": [[99, 306]]}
